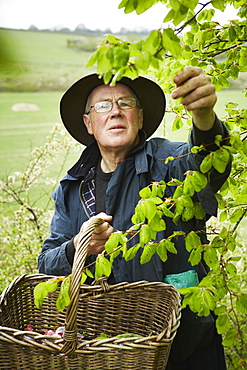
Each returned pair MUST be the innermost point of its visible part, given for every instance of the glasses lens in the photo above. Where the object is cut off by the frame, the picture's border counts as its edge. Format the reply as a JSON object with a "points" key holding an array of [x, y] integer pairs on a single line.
{"points": [[103, 106], [127, 103], [106, 106]]}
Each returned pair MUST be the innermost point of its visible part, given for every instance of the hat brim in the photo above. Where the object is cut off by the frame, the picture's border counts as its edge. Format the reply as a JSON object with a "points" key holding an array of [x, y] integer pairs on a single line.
{"points": [[73, 102]]}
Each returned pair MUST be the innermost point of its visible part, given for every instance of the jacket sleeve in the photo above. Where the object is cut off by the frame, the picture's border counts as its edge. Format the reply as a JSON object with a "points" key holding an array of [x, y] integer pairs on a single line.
{"points": [[53, 258], [216, 179], [192, 161]]}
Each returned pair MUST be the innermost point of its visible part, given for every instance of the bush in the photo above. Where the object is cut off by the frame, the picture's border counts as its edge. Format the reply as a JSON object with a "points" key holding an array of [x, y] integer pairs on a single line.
{"points": [[27, 208]]}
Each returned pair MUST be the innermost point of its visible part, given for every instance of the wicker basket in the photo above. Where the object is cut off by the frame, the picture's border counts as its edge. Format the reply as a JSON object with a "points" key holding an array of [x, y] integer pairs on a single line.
{"points": [[149, 310]]}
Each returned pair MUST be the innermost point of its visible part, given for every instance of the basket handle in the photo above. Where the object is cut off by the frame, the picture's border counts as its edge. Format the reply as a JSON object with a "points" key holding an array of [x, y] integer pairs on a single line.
{"points": [[70, 334]]}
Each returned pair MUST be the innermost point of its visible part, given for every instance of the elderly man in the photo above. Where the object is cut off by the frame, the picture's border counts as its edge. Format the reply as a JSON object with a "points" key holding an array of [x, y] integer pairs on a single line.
{"points": [[114, 123]]}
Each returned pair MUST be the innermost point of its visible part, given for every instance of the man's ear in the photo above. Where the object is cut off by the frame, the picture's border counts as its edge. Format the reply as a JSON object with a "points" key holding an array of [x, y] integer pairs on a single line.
{"points": [[87, 123]]}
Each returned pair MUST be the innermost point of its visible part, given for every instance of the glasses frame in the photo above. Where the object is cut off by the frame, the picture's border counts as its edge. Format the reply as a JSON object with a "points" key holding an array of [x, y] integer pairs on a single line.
{"points": [[111, 104]]}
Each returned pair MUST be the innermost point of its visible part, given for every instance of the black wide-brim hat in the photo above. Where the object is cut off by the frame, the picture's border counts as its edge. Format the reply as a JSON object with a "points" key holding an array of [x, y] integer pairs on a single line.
{"points": [[73, 103]]}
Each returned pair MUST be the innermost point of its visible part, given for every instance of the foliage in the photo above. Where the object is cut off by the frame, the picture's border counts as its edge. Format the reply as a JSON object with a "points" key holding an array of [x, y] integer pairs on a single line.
{"points": [[24, 225], [191, 36]]}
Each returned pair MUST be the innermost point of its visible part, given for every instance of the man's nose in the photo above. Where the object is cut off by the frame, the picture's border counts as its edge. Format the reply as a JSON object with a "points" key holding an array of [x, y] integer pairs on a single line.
{"points": [[115, 109]]}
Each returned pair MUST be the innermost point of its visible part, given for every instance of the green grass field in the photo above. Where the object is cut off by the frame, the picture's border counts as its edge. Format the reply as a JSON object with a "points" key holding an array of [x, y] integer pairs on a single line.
{"points": [[41, 60]]}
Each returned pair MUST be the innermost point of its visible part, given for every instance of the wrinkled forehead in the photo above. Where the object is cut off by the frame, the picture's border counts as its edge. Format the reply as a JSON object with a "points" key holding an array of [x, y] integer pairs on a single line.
{"points": [[107, 92]]}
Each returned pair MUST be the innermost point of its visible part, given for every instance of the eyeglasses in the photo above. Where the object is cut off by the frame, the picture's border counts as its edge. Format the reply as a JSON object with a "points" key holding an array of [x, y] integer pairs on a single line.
{"points": [[106, 106]]}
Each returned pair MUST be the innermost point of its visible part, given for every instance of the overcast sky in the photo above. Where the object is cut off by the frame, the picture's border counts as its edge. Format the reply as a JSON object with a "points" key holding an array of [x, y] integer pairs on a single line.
{"points": [[94, 14]]}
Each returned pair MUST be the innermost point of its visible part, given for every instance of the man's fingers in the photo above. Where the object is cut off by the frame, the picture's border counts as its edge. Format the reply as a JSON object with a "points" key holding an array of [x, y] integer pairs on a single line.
{"points": [[103, 229], [185, 74], [202, 97]]}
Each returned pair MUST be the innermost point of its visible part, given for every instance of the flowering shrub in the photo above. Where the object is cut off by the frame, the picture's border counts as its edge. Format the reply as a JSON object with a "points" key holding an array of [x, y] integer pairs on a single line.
{"points": [[27, 207]]}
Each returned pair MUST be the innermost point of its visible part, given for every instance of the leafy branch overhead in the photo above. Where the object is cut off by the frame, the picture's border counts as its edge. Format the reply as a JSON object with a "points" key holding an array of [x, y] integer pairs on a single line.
{"points": [[190, 35]]}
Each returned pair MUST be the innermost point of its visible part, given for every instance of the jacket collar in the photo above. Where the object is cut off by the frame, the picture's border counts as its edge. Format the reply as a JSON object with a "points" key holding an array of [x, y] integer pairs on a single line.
{"points": [[91, 155]]}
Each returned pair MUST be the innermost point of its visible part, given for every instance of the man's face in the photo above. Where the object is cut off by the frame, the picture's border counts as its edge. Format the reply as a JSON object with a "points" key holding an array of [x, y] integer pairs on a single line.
{"points": [[118, 128]]}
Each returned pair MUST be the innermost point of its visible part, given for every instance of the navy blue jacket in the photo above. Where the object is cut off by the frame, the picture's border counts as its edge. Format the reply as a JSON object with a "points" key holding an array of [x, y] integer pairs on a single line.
{"points": [[196, 340], [144, 164]]}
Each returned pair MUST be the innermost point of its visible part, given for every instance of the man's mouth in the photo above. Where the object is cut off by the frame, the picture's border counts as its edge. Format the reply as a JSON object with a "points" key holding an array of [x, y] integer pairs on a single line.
{"points": [[117, 127]]}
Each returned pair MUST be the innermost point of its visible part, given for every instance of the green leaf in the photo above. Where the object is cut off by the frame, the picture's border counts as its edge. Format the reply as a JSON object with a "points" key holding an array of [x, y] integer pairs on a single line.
{"points": [[157, 223], [177, 124], [63, 299], [199, 180], [153, 42], [223, 232], [145, 192], [220, 159], [229, 338], [166, 211], [129, 5], [40, 292], [145, 235], [241, 303], [139, 215], [175, 4], [195, 256], [210, 257], [120, 57], [231, 269], [171, 41], [92, 60], [207, 163], [223, 216], [113, 241], [188, 186], [236, 215], [180, 14], [187, 201], [101, 336], [188, 213], [105, 266], [219, 4], [192, 241], [191, 4], [83, 278], [149, 209], [148, 252], [170, 16], [178, 192], [221, 309], [104, 59], [161, 188], [52, 284], [89, 273], [98, 268], [209, 299], [131, 252], [142, 6], [170, 247], [162, 251], [223, 323]]}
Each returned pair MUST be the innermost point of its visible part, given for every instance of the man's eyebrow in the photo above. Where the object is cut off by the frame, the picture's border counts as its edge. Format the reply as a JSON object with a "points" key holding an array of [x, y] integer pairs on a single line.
{"points": [[121, 97]]}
